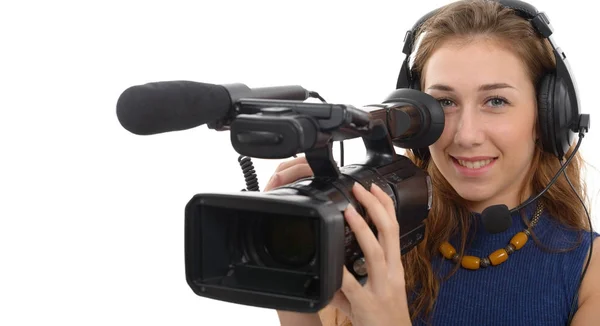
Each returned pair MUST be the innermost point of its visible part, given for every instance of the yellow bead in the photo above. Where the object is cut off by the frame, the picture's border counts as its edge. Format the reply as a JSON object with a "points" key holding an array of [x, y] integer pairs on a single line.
{"points": [[447, 250], [498, 257], [470, 262], [519, 240]]}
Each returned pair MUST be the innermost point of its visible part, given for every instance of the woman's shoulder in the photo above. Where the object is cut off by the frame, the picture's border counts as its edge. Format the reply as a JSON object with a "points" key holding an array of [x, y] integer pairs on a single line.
{"points": [[572, 246], [558, 236], [589, 293]]}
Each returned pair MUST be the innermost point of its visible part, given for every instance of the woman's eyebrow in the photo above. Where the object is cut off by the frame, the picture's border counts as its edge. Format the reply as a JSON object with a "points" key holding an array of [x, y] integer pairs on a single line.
{"points": [[489, 87], [486, 87], [441, 87]]}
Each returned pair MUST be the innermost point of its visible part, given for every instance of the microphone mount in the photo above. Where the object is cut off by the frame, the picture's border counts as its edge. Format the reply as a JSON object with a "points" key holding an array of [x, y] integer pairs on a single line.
{"points": [[266, 128]]}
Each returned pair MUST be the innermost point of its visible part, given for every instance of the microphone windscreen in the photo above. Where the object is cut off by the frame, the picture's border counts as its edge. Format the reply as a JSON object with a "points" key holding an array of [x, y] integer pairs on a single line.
{"points": [[171, 106], [496, 218]]}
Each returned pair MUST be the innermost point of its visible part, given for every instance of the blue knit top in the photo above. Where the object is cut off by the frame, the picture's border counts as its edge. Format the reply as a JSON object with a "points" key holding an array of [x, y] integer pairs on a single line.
{"points": [[533, 287]]}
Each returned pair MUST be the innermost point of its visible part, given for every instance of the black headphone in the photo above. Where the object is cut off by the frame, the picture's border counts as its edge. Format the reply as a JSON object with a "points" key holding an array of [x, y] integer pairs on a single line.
{"points": [[558, 103]]}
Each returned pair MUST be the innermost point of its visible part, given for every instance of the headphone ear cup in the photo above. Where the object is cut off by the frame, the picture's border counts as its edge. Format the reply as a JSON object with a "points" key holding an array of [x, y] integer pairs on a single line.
{"points": [[404, 76], [422, 153], [545, 102], [415, 81]]}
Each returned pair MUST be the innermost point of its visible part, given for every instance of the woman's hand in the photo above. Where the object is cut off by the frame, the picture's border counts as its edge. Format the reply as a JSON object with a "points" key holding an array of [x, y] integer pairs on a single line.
{"points": [[382, 301], [288, 172]]}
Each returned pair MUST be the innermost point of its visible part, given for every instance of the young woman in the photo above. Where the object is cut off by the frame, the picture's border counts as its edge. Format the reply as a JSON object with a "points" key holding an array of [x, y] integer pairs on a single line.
{"points": [[484, 64]]}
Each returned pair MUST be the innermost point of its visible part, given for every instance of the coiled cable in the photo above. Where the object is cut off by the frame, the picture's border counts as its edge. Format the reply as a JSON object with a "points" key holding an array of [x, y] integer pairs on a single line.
{"points": [[249, 173]]}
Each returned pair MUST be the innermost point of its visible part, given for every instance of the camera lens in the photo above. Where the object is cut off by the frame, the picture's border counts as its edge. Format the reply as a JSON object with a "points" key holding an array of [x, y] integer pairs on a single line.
{"points": [[290, 241]]}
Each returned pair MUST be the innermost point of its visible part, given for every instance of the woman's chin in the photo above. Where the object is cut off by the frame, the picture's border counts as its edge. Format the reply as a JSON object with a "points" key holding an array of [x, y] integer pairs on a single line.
{"points": [[472, 194]]}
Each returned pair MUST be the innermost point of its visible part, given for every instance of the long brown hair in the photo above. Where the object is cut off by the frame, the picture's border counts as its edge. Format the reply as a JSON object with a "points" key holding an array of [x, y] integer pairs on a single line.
{"points": [[449, 215]]}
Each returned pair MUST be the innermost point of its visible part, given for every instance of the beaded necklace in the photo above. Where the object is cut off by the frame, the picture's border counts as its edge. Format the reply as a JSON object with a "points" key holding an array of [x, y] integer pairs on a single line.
{"points": [[497, 257]]}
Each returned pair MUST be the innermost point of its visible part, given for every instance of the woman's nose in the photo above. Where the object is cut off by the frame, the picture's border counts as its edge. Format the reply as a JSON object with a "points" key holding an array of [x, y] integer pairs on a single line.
{"points": [[469, 131]]}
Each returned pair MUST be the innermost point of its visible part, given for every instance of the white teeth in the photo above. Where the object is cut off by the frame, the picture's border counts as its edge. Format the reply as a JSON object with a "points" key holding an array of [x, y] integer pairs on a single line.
{"points": [[475, 164]]}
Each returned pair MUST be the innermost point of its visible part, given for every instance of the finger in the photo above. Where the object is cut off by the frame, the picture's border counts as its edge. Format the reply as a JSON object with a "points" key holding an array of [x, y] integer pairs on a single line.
{"points": [[272, 183], [351, 288], [340, 302], [386, 230], [289, 163], [289, 175], [392, 248], [374, 254], [385, 199], [294, 173]]}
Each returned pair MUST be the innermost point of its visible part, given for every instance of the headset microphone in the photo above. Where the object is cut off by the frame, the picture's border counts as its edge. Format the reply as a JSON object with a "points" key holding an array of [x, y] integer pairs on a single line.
{"points": [[497, 218]]}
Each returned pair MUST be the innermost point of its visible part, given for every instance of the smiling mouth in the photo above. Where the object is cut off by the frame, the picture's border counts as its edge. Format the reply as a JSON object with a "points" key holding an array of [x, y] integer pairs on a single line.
{"points": [[474, 164]]}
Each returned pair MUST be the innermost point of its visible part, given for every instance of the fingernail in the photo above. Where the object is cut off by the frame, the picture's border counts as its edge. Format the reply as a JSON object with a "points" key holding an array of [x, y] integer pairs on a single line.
{"points": [[373, 185], [350, 209]]}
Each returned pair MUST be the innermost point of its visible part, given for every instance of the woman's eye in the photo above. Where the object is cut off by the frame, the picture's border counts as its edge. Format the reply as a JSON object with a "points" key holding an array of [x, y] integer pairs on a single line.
{"points": [[497, 102], [445, 102]]}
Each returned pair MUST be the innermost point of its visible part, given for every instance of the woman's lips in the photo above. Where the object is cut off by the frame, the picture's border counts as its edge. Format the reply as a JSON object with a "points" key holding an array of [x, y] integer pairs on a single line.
{"points": [[473, 166]]}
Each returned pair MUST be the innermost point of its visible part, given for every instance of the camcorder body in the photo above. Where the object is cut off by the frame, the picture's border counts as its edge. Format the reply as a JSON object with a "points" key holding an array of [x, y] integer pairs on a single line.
{"points": [[285, 248]]}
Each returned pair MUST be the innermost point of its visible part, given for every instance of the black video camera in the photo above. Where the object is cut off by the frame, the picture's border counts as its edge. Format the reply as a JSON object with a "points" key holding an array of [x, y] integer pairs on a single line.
{"points": [[285, 248]]}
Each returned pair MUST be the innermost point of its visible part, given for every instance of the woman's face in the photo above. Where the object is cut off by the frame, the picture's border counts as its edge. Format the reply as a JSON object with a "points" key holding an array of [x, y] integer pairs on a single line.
{"points": [[490, 108]]}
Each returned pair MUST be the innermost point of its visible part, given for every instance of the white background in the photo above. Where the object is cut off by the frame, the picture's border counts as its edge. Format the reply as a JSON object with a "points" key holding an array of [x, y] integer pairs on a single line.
{"points": [[92, 216]]}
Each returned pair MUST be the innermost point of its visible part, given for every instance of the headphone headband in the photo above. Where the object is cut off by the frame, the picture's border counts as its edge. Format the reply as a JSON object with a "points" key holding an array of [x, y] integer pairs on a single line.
{"points": [[539, 21]]}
